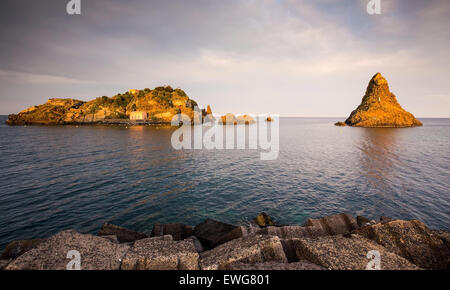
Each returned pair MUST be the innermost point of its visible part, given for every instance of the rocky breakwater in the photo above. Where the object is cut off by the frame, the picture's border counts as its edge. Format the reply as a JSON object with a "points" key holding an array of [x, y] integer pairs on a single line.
{"points": [[158, 106], [379, 108], [338, 242]]}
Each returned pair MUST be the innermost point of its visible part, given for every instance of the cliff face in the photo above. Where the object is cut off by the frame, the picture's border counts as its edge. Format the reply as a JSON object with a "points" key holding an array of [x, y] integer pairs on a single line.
{"points": [[161, 104], [379, 108]]}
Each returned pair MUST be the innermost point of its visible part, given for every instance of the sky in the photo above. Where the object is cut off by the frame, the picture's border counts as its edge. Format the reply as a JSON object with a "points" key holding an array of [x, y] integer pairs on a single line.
{"points": [[289, 57]]}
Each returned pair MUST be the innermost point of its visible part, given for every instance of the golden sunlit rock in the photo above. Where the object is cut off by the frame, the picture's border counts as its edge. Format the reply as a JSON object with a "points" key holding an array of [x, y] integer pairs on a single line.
{"points": [[379, 108]]}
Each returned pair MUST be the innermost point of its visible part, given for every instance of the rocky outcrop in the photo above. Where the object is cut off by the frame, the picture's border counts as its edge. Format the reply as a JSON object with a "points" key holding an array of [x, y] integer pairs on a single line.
{"points": [[161, 104], [160, 254], [411, 240], [379, 108], [123, 235], [340, 124], [250, 249], [96, 253]]}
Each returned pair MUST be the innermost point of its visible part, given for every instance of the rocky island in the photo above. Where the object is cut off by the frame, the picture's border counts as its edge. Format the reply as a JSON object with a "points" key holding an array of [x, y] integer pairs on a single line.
{"points": [[337, 242], [379, 108], [157, 106]]}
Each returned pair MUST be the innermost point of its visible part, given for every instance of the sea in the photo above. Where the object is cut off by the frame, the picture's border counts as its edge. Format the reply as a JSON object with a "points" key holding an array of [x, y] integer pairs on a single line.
{"points": [[78, 177]]}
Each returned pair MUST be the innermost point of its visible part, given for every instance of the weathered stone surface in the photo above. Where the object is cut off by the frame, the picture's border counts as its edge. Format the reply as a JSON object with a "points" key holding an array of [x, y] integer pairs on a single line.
{"points": [[123, 235], [212, 233], [379, 108], [197, 244], [111, 238], [3, 264], [335, 224], [411, 240], [362, 221], [302, 265], [264, 220], [16, 248], [158, 254], [347, 253], [96, 253], [177, 231], [250, 249]]}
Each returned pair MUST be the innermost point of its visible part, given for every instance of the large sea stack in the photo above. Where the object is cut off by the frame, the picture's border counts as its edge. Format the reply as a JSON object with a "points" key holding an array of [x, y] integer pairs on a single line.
{"points": [[379, 108]]}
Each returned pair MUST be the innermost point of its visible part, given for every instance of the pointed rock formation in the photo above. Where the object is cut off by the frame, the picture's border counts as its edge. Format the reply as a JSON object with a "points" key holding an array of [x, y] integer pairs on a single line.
{"points": [[379, 108]]}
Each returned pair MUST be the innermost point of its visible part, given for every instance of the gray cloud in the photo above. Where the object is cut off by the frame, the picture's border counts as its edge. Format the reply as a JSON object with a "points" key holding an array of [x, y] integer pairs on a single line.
{"points": [[310, 58]]}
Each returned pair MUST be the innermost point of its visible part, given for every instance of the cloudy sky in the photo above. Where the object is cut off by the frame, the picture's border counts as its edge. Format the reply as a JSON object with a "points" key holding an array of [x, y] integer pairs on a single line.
{"points": [[292, 57]]}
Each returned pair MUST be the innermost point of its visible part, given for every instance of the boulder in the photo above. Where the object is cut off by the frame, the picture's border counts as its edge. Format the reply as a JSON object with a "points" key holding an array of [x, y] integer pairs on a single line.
{"points": [[264, 220], [379, 108], [177, 231], [335, 224], [269, 119], [301, 265], [340, 124], [96, 253], [123, 235], [250, 249], [158, 254], [16, 248], [212, 233], [411, 240], [290, 232], [347, 253]]}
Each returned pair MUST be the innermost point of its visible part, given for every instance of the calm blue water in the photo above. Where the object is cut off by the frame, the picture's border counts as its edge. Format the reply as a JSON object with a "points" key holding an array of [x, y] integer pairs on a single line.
{"points": [[55, 178]]}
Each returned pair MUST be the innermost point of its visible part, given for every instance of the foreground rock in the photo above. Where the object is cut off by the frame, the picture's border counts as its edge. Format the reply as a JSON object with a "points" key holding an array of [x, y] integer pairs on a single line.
{"points": [[411, 240], [347, 253], [123, 235], [96, 253], [302, 265], [212, 233], [160, 254], [335, 224], [19, 247], [177, 231], [379, 108], [250, 250]]}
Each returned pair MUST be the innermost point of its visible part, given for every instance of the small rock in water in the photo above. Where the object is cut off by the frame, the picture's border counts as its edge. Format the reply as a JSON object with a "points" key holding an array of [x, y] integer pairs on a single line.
{"points": [[264, 220]]}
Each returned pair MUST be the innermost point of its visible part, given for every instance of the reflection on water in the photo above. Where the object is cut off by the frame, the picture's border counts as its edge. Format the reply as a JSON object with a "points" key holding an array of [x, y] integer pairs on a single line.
{"points": [[378, 149]]}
